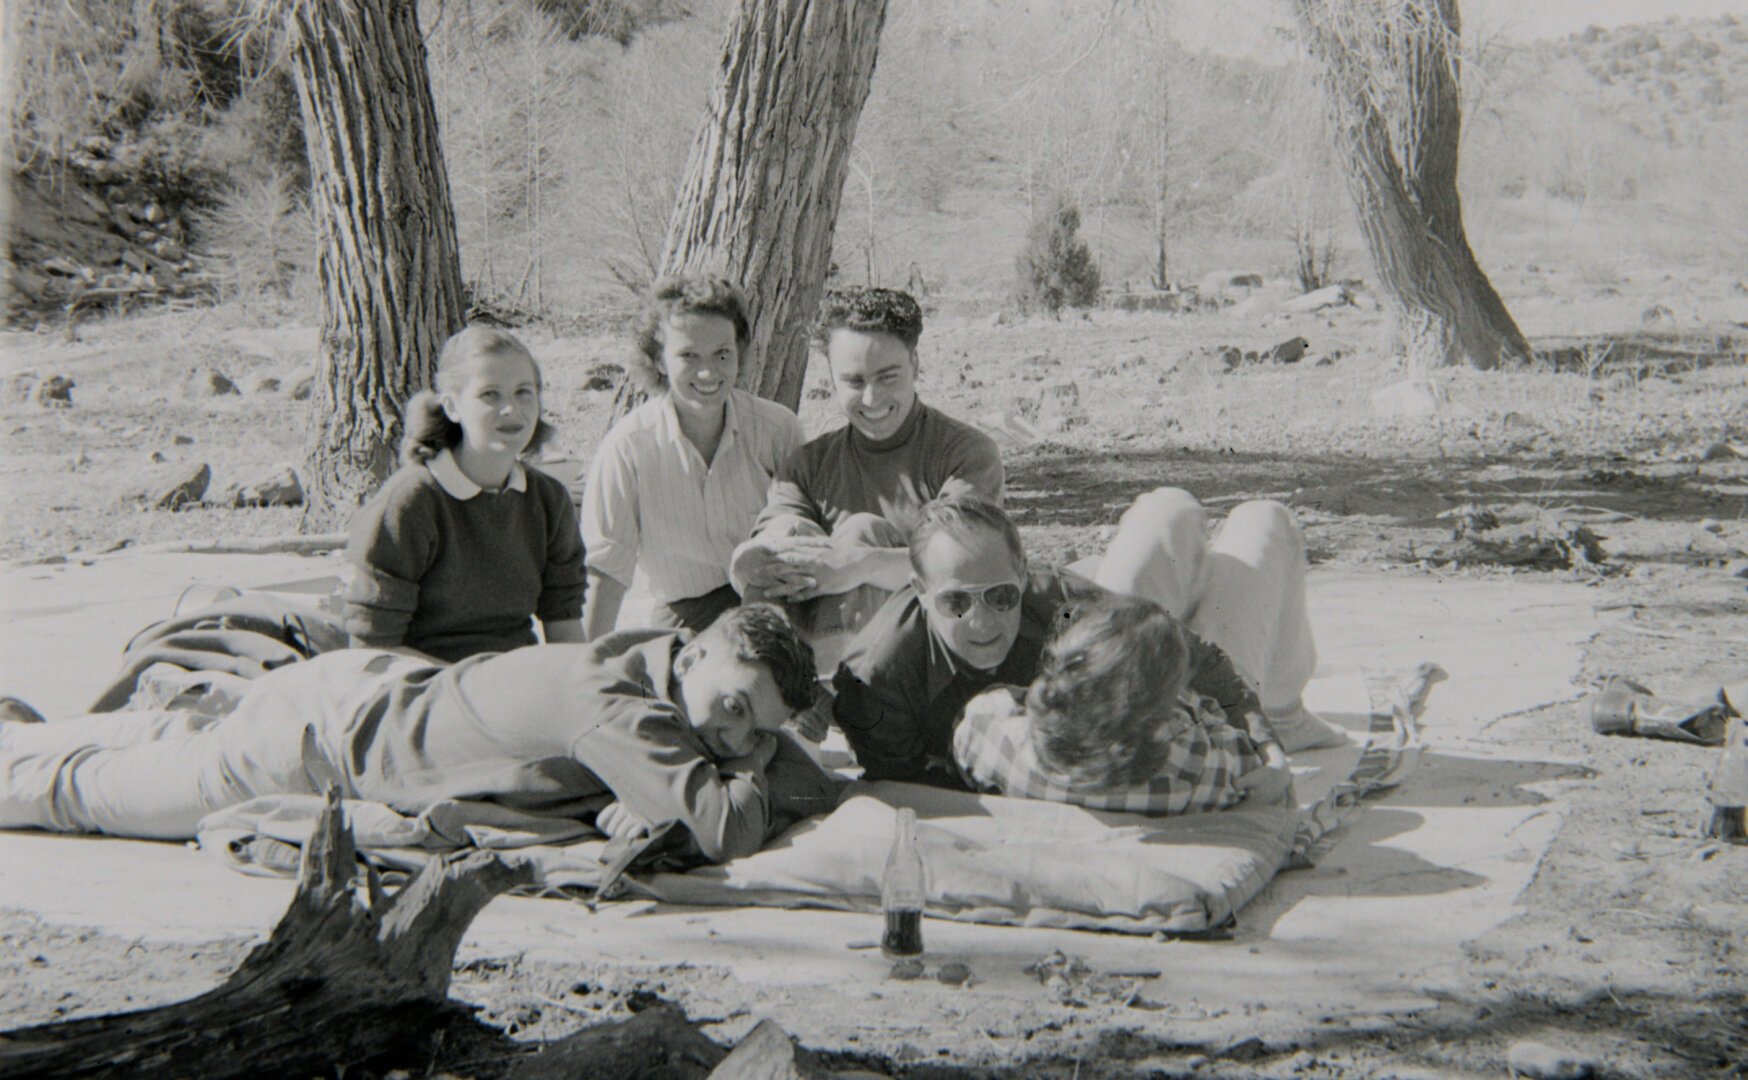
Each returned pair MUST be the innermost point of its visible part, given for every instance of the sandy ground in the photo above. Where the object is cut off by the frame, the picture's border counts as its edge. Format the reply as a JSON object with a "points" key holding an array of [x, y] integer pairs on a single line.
{"points": [[1630, 949]]}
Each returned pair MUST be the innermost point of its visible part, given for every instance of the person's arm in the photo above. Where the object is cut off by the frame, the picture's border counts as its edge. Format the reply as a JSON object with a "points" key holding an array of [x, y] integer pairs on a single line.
{"points": [[390, 544], [563, 632], [612, 533], [562, 581], [601, 607], [1212, 673], [838, 566], [881, 713], [653, 765]]}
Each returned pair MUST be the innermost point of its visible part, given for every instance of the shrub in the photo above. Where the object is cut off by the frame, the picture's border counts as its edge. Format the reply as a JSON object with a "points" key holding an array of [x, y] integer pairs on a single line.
{"points": [[1056, 268]]}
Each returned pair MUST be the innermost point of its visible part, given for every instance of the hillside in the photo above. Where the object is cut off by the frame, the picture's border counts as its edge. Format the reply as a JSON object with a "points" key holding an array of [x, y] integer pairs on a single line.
{"points": [[1609, 149]]}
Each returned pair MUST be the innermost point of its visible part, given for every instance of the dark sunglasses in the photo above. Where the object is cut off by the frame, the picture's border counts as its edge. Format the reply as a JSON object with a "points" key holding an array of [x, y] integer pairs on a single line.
{"points": [[956, 603]]}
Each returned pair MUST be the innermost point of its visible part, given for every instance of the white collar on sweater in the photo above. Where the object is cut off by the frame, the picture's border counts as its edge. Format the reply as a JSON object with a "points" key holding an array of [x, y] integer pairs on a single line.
{"points": [[450, 477]]}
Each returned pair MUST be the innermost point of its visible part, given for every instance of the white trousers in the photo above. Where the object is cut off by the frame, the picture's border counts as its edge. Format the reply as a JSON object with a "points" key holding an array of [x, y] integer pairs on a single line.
{"points": [[1244, 590]]}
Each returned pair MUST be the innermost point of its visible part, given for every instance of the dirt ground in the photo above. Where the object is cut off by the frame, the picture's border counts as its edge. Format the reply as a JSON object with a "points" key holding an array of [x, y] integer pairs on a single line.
{"points": [[1633, 943]]}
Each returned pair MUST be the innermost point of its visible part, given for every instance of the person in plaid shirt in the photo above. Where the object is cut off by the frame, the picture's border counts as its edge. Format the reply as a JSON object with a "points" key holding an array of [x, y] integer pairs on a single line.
{"points": [[975, 616], [1111, 723]]}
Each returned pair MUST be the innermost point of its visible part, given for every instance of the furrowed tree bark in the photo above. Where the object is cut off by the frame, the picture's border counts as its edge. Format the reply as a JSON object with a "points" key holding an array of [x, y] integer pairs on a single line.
{"points": [[338, 982], [388, 264], [1390, 74], [766, 176]]}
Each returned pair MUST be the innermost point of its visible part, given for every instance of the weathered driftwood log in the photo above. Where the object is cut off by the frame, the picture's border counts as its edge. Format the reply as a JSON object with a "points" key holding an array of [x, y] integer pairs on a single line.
{"points": [[342, 979], [658, 1042]]}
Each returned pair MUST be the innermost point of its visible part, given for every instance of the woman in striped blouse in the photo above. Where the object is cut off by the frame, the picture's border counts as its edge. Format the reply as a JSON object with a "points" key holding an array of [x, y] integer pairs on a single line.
{"points": [[677, 482]]}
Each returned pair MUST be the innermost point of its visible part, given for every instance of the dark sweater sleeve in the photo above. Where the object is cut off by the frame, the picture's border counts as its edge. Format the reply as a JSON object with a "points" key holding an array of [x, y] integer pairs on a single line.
{"points": [[562, 580], [391, 543], [973, 465], [787, 500], [1212, 673]]}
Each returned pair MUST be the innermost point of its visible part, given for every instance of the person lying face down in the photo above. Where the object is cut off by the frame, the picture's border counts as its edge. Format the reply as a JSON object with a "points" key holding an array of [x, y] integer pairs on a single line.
{"points": [[1111, 723], [639, 727], [975, 615]]}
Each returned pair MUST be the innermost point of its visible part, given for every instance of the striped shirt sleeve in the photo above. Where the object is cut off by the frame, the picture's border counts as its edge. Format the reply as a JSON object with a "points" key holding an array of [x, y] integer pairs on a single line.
{"points": [[610, 519]]}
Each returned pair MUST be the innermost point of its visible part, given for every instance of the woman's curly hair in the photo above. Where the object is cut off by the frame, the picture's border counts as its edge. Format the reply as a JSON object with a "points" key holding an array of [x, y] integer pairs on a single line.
{"points": [[1108, 685], [673, 296]]}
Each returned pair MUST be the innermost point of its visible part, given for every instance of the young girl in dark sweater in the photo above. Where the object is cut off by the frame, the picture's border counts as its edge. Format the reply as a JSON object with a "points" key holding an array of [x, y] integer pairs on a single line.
{"points": [[465, 543]]}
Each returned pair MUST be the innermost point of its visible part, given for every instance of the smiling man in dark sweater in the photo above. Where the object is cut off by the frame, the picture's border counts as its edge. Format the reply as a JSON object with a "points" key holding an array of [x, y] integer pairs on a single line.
{"points": [[835, 527]]}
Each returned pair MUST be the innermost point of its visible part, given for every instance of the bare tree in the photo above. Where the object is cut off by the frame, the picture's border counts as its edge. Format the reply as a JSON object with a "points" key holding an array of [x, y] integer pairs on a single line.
{"points": [[762, 188], [1390, 74], [390, 275]]}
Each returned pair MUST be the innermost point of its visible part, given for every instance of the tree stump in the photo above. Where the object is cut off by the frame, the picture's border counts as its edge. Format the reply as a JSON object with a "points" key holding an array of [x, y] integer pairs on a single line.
{"points": [[344, 978]]}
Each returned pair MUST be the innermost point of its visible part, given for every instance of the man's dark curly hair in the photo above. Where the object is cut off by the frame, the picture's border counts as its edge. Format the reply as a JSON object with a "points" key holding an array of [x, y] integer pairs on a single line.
{"points": [[762, 634], [687, 294], [1107, 686], [868, 310]]}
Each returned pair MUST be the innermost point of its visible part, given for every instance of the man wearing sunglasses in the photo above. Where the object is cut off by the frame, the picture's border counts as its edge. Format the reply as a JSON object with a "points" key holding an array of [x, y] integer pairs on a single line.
{"points": [[974, 616]]}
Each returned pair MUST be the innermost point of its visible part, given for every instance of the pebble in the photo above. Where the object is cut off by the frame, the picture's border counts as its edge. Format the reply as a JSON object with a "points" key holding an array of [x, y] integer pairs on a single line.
{"points": [[1711, 525], [953, 974], [906, 970], [1539, 1061]]}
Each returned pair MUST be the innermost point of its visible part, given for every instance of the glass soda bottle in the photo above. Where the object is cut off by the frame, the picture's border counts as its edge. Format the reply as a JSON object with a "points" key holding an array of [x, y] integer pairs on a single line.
{"points": [[902, 889], [1729, 793]]}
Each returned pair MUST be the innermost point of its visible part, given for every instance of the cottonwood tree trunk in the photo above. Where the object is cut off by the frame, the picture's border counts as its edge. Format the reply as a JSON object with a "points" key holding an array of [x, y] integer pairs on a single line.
{"points": [[760, 198], [390, 272], [1390, 74]]}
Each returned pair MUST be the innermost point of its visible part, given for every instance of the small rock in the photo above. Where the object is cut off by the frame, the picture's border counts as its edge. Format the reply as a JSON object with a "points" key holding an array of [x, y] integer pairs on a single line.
{"points": [[21, 387], [604, 376], [55, 392], [303, 388], [1718, 451], [1539, 1061], [1711, 525], [1327, 297], [907, 969], [1410, 397], [1231, 356], [768, 1053], [184, 492], [280, 487], [210, 382], [264, 384], [953, 974], [1656, 313], [1196, 1061], [181, 440], [156, 457], [1290, 351], [1736, 568], [79, 460]]}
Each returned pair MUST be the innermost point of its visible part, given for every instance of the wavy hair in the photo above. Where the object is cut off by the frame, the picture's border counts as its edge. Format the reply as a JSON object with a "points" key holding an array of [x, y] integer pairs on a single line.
{"points": [[671, 297], [868, 309], [429, 431], [1108, 685]]}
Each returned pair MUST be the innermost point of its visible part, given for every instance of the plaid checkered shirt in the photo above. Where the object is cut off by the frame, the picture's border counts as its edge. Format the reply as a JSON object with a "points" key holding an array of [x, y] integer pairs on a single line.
{"points": [[1204, 757]]}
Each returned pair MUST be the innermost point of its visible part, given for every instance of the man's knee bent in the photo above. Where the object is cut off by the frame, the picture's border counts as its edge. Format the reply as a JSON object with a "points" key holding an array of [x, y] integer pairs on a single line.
{"points": [[1263, 516], [1164, 509]]}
